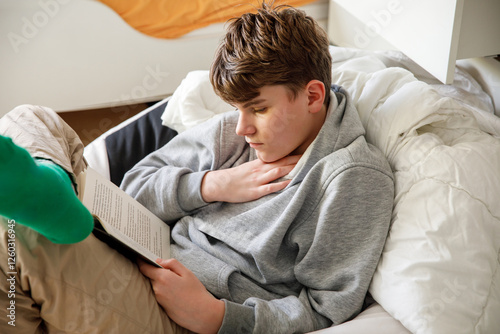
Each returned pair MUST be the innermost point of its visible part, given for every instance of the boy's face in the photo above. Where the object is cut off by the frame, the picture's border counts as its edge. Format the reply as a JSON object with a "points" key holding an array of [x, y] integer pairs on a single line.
{"points": [[274, 125]]}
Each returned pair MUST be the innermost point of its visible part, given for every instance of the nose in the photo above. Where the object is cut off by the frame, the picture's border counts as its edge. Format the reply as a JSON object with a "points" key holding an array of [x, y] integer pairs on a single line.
{"points": [[245, 125]]}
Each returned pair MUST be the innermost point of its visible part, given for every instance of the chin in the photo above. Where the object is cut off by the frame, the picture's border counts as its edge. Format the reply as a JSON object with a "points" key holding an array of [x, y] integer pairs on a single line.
{"points": [[268, 158]]}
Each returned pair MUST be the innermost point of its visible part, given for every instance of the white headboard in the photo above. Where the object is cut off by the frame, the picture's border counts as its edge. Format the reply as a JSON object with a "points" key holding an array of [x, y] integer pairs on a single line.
{"points": [[434, 33]]}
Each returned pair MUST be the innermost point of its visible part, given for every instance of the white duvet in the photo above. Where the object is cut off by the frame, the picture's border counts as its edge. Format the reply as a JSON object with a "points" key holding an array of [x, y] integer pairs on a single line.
{"points": [[440, 269]]}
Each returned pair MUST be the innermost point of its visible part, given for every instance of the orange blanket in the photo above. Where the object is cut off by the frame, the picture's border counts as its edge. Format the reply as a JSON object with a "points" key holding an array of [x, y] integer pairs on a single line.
{"points": [[174, 18]]}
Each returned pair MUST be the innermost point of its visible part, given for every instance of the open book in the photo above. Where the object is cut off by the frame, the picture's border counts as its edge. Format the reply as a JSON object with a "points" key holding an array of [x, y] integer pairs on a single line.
{"points": [[121, 221]]}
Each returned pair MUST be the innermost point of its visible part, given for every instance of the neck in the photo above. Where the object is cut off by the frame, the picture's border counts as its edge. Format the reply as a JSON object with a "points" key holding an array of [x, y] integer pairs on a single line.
{"points": [[318, 121]]}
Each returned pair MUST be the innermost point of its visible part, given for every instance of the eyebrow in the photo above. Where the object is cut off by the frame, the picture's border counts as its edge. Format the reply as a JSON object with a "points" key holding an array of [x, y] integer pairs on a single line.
{"points": [[253, 102]]}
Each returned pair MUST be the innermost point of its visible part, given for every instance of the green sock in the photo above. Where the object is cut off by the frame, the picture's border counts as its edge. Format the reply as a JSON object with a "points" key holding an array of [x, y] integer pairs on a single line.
{"points": [[39, 194]]}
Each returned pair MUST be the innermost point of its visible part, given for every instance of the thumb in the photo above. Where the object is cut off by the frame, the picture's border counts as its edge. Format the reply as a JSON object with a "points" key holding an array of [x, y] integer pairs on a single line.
{"points": [[173, 265]]}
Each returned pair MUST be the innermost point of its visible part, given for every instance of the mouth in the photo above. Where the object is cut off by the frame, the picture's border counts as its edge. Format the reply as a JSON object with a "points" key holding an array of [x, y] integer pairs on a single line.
{"points": [[254, 145]]}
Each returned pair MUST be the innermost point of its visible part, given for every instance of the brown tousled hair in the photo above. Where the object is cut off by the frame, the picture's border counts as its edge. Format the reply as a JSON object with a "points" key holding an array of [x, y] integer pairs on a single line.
{"points": [[275, 46]]}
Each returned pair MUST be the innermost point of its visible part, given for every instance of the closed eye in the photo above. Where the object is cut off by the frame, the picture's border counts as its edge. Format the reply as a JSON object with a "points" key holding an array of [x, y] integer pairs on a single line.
{"points": [[259, 110]]}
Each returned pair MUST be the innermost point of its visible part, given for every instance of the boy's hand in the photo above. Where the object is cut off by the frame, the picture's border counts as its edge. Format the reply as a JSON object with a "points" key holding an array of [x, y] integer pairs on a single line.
{"points": [[246, 182], [183, 297]]}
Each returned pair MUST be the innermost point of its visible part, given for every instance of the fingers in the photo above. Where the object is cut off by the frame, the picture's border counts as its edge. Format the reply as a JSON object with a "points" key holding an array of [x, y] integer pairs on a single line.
{"points": [[277, 172], [279, 168], [290, 160], [172, 269], [274, 187], [246, 182], [147, 269], [173, 265], [261, 167]]}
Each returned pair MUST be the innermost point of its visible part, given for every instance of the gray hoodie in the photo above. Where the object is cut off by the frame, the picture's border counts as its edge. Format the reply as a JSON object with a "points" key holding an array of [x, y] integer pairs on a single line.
{"points": [[291, 262]]}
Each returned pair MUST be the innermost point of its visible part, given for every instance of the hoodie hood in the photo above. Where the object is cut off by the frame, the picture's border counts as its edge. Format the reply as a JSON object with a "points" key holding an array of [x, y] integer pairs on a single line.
{"points": [[342, 127]]}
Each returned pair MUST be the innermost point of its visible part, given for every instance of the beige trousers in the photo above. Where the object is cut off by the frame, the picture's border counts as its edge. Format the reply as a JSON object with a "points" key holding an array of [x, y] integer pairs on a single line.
{"points": [[81, 288]]}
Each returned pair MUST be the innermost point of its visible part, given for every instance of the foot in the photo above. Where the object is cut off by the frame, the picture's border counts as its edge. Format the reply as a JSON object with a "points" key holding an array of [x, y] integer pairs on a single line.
{"points": [[39, 194]]}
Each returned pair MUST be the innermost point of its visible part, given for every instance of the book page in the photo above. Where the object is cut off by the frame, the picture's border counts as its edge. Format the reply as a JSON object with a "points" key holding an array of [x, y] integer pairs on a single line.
{"points": [[125, 218]]}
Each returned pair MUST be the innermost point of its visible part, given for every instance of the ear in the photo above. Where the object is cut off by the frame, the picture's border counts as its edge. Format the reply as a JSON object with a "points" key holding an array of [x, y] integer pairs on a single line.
{"points": [[315, 90]]}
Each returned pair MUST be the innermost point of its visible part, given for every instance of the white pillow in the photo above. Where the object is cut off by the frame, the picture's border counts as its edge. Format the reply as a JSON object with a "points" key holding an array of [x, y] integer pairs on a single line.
{"points": [[193, 102]]}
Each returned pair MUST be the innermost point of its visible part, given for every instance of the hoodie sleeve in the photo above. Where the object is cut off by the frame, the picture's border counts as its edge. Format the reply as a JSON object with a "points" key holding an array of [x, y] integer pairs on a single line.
{"points": [[168, 180]]}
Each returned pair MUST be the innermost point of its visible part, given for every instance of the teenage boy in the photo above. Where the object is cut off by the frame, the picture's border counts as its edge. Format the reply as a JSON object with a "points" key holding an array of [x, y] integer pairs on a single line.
{"points": [[279, 210]]}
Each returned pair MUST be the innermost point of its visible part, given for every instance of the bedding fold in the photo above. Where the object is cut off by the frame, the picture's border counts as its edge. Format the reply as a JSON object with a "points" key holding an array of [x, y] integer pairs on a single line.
{"points": [[439, 269]]}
